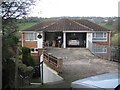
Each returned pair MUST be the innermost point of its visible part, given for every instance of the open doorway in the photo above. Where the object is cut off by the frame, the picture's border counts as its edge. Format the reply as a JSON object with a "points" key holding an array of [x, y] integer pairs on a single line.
{"points": [[76, 39], [51, 38]]}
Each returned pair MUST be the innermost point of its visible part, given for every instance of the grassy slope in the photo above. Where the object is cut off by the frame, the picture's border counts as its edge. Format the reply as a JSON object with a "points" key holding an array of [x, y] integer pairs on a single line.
{"points": [[107, 26], [115, 36], [115, 39], [23, 26]]}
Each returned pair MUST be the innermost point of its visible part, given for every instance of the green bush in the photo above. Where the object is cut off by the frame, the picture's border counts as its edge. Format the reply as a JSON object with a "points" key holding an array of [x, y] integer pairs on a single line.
{"points": [[25, 70], [22, 67], [26, 57], [29, 71], [31, 61], [25, 51]]}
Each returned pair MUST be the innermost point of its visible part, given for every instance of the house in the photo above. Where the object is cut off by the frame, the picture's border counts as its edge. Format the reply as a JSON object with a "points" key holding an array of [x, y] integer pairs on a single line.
{"points": [[74, 33]]}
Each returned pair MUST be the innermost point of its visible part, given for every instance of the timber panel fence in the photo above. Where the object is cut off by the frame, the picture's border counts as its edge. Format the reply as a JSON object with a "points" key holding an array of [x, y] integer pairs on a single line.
{"points": [[53, 62]]}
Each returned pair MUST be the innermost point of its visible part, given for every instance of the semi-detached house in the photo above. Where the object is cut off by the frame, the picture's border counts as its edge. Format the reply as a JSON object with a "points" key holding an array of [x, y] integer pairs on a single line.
{"points": [[81, 30]]}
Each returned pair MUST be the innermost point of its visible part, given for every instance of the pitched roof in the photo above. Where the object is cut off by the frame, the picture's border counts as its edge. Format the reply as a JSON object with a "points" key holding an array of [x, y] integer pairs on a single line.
{"points": [[91, 25], [66, 25], [40, 25]]}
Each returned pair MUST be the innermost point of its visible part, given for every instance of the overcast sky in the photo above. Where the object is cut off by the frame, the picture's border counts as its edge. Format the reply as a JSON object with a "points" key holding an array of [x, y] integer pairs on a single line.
{"points": [[57, 8]]}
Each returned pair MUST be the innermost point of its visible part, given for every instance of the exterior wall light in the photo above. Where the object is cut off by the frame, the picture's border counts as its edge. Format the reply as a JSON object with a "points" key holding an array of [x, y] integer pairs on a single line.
{"points": [[39, 36]]}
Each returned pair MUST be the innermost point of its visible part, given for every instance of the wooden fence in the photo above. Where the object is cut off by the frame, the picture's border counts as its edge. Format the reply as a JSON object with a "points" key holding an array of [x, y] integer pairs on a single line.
{"points": [[53, 62]]}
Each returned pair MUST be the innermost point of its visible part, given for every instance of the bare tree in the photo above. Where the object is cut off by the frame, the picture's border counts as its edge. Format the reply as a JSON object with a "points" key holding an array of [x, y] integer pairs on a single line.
{"points": [[11, 10], [15, 8]]}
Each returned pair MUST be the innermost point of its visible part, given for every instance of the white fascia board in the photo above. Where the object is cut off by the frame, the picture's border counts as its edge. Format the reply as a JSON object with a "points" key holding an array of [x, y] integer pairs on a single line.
{"points": [[53, 31], [86, 31], [78, 31], [101, 31]]}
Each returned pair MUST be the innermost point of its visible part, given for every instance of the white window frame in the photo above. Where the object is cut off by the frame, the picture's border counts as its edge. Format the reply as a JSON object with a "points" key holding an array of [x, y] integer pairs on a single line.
{"points": [[99, 38], [27, 38], [104, 50]]}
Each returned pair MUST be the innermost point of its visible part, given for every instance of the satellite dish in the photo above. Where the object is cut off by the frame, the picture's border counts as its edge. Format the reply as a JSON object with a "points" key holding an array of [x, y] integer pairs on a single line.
{"points": [[39, 36]]}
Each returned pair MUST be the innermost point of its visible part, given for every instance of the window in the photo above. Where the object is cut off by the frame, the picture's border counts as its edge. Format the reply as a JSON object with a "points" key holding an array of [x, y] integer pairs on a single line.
{"points": [[99, 36], [100, 50], [30, 36]]}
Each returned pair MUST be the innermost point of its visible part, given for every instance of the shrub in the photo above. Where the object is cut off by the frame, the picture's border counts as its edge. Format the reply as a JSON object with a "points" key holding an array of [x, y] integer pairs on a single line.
{"points": [[31, 61], [24, 70], [25, 51], [29, 71], [26, 57], [22, 67]]}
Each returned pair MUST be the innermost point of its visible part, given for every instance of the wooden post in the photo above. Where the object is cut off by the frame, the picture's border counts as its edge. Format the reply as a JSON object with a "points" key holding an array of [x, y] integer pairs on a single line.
{"points": [[49, 54], [43, 54], [59, 64]]}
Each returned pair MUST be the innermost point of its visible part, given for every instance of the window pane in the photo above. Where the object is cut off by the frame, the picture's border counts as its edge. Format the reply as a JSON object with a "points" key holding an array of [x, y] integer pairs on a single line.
{"points": [[99, 38], [26, 36], [105, 35], [93, 34], [100, 49], [30, 36], [99, 34]]}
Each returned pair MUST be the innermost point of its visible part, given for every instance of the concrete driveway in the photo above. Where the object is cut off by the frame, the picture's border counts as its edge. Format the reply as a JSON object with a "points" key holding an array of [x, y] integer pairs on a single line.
{"points": [[80, 63]]}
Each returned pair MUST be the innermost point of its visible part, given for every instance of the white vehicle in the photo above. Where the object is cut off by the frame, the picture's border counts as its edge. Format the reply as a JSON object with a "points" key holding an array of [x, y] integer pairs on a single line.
{"points": [[108, 81], [73, 42]]}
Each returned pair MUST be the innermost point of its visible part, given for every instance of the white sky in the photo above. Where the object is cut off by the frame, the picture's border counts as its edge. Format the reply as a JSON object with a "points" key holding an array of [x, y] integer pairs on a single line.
{"points": [[56, 8]]}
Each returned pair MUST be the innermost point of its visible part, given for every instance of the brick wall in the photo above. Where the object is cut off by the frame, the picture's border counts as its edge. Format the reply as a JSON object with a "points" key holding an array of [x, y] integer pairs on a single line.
{"points": [[30, 44]]}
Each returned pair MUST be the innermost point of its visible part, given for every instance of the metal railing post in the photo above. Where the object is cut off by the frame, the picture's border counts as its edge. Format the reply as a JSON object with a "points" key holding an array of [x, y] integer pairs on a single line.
{"points": [[42, 73]]}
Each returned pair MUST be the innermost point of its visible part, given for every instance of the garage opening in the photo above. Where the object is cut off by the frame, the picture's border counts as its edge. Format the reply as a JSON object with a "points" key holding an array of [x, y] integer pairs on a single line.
{"points": [[76, 39], [51, 38]]}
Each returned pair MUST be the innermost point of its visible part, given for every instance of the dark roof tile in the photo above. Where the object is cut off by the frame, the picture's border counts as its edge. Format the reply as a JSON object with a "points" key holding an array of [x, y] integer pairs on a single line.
{"points": [[66, 25], [40, 25], [91, 25]]}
